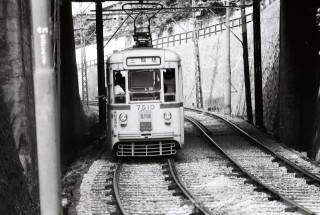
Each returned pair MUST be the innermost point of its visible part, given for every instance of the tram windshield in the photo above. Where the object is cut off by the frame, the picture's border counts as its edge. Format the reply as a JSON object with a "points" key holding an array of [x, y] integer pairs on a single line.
{"points": [[144, 85]]}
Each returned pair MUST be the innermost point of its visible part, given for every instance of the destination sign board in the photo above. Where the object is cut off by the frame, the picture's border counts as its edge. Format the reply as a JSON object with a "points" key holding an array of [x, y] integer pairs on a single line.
{"points": [[143, 61]]}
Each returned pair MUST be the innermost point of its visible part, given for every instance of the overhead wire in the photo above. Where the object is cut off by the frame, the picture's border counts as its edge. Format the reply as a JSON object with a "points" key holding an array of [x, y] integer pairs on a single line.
{"points": [[117, 30]]}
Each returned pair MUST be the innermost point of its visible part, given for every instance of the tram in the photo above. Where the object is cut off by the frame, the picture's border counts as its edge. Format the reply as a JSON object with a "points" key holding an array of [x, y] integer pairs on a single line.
{"points": [[145, 102]]}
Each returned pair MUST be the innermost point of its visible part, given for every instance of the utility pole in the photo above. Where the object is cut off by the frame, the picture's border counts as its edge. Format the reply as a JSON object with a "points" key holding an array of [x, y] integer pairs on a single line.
{"points": [[100, 64], [257, 64], [227, 97], [246, 63], [46, 95], [83, 60], [197, 61]]}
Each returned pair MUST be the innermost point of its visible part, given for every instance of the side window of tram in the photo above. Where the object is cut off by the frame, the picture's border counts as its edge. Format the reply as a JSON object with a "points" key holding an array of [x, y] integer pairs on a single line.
{"points": [[119, 87], [169, 83]]}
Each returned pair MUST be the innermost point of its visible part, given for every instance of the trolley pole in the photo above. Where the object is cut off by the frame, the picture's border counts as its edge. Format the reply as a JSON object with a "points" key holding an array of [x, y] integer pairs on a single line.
{"points": [[257, 64], [197, 62], [101, 75], [46, 109], [246, 63], [227, 98]]}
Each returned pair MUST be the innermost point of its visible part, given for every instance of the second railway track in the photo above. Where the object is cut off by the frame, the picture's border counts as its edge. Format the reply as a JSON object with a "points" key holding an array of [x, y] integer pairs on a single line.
{"points": [[296, 186]]}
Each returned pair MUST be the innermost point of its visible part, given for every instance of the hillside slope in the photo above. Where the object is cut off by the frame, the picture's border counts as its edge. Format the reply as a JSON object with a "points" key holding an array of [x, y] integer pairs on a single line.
{"points": [[212, 61]]}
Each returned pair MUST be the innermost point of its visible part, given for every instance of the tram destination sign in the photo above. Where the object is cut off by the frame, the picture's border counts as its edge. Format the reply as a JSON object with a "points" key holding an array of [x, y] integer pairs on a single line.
{"points": [[143, 61]]}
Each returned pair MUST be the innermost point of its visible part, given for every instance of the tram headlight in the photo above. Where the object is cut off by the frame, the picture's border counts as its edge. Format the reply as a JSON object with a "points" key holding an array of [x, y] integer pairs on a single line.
{"points": [[123, 118], [167, 117]]}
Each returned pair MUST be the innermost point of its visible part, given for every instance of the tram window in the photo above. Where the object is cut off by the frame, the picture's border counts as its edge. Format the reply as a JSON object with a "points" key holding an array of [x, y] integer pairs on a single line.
{"points": [[144, 85], [169, 83], [145, 80], [119, 87]]}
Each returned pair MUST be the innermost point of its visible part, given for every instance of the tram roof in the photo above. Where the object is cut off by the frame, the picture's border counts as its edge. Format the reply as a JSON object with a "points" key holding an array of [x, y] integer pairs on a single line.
{"points": [[143, 52]]}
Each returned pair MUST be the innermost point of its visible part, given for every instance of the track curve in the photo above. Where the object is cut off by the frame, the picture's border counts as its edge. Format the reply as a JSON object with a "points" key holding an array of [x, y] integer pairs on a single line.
{"points": [[298, 200]]}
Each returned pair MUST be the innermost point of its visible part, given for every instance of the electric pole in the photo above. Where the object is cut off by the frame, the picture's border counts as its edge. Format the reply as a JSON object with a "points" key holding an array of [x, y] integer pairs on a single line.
{"points": [[100, 65], [83, 60], [227, 97], [257, 64], [246, 63], [197, 61]]}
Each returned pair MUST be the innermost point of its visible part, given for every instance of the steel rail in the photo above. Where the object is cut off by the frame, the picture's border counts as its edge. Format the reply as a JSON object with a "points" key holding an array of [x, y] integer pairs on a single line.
{"points": [[278, 156], [286, 200], [175, 176], [116, 189]]}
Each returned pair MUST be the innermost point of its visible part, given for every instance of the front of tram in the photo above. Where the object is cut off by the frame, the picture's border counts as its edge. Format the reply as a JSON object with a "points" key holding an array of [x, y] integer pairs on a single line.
{"points": [[145, 107]]}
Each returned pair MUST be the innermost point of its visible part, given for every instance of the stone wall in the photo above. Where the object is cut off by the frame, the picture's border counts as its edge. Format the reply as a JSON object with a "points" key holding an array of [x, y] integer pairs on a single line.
{"points": [[14, 195], [16, 82], [18, 159]]}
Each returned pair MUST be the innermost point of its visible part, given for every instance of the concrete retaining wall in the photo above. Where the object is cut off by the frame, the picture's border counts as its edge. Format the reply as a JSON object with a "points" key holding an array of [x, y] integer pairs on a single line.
{"points": [[212, 61]]}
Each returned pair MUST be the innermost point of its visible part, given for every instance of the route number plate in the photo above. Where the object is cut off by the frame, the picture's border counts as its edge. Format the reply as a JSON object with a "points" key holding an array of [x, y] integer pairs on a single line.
{"points": [[145, 120]]}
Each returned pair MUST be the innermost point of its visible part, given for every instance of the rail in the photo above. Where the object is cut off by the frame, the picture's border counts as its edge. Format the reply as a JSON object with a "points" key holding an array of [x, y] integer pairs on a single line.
{"points": [[286, 200], [115, 187], [313, 177], [177, 180]]}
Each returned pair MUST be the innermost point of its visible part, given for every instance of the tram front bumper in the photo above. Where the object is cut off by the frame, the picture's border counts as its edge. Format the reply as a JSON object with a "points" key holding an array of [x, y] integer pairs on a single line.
{"points": [[147, 144], [146, 149]]}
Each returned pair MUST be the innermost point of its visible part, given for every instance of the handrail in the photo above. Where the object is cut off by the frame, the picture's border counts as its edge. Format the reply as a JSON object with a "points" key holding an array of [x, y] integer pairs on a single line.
{"points": [[217, 28], [212, 29]]}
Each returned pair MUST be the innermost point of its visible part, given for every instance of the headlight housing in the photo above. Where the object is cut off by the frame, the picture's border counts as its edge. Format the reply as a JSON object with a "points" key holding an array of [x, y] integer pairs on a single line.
{"points": [[167, 116], [123, 117]]}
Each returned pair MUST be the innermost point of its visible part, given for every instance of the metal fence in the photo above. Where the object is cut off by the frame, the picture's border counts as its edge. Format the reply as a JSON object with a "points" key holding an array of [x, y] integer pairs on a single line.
{"points": [[179, 39]]}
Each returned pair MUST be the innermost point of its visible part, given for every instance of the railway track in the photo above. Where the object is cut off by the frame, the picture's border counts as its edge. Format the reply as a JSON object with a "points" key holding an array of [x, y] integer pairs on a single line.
{"points": [[153, 188], [97, 195], [282, 179], [221, 187]]}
